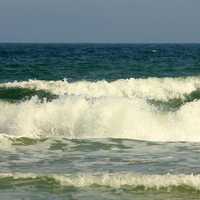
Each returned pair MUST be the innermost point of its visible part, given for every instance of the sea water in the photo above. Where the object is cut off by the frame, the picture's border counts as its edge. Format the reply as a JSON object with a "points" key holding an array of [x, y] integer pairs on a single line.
{"points": [[99, 121]]}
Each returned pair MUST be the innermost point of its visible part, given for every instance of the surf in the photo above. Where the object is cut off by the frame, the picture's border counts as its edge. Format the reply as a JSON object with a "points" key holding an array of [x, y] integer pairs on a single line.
{"points": [[152, 109], [151, 88], [113, 180]]}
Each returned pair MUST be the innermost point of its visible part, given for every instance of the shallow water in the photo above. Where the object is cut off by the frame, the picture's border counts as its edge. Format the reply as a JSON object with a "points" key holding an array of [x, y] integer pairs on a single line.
{"points": [[106, 168]]}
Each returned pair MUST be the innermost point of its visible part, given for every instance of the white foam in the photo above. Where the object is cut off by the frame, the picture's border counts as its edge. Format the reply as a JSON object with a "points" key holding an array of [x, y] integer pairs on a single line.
{"points": [[116, 180], [154, 88], [79, 117], [104, 110]]}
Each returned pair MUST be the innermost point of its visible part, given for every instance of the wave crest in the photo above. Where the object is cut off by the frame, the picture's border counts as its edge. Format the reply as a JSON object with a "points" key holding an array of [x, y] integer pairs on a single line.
{"points": [[115, 180], [120, 109], [151, 88]]}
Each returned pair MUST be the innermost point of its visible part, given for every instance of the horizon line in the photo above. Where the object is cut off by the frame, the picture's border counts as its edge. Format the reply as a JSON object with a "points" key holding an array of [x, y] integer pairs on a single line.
{"points": [[31, 42]]}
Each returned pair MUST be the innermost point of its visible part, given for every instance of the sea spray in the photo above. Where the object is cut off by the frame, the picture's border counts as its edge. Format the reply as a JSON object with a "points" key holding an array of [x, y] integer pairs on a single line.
{"points": [[78, 116]]}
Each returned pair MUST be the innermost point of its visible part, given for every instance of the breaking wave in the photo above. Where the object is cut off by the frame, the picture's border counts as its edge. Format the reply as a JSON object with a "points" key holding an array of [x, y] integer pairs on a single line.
{"points": [[151, 88], [156, 109], [115, 180]]}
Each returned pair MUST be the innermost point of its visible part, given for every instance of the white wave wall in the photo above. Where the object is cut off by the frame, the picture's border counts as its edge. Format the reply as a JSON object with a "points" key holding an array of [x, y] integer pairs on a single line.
{"points": [[104, 110], [78, 117], [153, 88]]}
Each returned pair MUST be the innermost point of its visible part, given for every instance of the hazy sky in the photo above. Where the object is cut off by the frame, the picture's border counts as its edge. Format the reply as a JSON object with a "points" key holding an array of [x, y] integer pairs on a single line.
{"points": [[100, 21]]}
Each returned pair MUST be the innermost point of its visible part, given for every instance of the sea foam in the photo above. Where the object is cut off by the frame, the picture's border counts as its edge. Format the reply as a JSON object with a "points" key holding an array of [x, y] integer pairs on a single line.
{"points": [[104, 110], [114, 180], [155, 88]]}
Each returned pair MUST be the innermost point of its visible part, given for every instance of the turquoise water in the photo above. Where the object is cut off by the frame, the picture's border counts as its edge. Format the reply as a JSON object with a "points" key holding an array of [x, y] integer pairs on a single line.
{"points": [[97, 121]]}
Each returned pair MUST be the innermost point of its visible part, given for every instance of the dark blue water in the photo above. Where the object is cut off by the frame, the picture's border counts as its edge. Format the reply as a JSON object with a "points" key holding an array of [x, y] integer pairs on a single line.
{"points": [[97, 61], [99, 121]]}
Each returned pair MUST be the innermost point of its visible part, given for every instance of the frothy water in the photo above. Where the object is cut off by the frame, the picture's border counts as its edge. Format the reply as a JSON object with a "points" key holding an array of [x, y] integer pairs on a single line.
{"points": [[135, 181], [120, 109], [152, 88]]}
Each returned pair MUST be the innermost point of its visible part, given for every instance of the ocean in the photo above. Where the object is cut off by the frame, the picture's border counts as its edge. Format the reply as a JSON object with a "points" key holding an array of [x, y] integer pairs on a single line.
{"points": [[99, 121]]}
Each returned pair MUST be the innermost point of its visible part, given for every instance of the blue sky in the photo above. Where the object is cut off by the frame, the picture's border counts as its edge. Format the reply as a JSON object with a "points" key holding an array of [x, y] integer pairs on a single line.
{"points": [[113, 21]]}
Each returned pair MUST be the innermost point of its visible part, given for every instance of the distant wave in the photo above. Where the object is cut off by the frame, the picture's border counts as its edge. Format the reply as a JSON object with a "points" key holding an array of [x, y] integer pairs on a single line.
{"points": [[115, 180], [155, 109]]}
